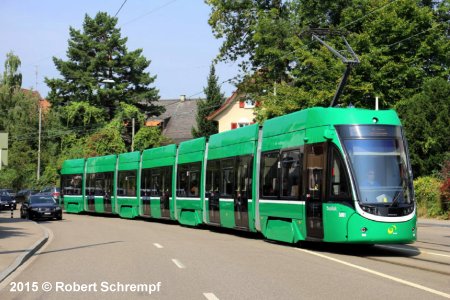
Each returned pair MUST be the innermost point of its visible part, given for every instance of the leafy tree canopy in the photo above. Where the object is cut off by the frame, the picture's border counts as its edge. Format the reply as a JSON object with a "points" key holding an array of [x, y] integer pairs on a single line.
{"points": [[101, 72], [149, 137], [400, 43], [426, 118], [11, 75]]}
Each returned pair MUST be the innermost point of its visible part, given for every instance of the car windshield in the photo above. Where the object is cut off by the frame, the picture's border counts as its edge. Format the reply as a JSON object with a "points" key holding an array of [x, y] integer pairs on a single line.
{"points": [[378, 160], [42, 200], [4, 193]]}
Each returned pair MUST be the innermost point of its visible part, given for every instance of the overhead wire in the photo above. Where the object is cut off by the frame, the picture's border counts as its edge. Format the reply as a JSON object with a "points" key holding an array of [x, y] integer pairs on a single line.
{"points": [[120, 8]]}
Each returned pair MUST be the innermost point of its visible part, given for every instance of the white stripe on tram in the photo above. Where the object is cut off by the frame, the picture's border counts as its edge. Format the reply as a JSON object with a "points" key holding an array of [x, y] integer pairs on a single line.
{"points": [[293, 202]]}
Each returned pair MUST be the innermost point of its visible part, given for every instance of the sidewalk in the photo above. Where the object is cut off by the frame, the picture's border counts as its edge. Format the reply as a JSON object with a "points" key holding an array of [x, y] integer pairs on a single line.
{"points": [[19, 240]]}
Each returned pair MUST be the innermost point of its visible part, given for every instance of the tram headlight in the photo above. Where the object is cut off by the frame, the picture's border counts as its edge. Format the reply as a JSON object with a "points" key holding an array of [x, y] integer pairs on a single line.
{"points": [[364, 229]]}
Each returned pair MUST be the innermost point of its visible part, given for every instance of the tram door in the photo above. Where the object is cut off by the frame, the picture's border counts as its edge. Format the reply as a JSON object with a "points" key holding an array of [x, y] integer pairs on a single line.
{"points": [[145, 192], [108, 190], [212, 190], [314, 177], [243, 191], [166, 191]]}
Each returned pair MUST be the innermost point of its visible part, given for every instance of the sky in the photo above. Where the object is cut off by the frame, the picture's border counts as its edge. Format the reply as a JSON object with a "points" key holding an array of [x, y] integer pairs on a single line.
{"points": [[174, 35]]}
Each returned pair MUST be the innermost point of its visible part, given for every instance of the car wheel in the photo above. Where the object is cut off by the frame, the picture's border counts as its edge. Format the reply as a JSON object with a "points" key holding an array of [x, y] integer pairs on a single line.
{"points": [[59, 218]]}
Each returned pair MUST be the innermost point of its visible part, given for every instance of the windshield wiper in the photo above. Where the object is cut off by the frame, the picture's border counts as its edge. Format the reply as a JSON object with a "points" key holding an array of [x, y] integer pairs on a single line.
{"points": [[395, 200]]}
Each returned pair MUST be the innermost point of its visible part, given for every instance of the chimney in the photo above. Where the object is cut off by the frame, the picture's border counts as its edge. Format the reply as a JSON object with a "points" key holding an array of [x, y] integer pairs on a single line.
{"points": [[182, 98]]}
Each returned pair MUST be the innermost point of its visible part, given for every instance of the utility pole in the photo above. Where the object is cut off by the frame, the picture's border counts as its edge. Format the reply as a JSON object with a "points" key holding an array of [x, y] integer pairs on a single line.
{"points": [[39, 142], [36, 73], [132, 135], [38, 172]]}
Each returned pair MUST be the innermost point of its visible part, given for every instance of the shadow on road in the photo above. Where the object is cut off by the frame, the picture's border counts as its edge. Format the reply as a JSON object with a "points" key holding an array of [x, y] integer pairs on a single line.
{"points": [[363, 250]]}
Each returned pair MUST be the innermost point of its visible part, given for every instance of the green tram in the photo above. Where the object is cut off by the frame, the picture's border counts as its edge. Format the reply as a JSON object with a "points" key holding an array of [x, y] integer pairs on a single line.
{"points": [[321, 174]]}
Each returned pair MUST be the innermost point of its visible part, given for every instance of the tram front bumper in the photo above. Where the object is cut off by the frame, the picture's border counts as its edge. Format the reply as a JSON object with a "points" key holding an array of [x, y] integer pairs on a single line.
{"points": [[365, 231]]}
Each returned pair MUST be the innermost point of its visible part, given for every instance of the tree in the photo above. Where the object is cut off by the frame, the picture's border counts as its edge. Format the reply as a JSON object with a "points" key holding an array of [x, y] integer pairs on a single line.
{"points": [[101, 72], [400, 44], [214, 99], [105, 141], [425, 117], [148, 137], [11, 75]]}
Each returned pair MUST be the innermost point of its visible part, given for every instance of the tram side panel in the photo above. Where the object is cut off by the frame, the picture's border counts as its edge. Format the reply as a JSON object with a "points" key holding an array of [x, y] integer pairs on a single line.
{"points": [[72, 185], [100, 184], [127, 205], [157, 183], [189, 194], [281, 207], [229, 197]]}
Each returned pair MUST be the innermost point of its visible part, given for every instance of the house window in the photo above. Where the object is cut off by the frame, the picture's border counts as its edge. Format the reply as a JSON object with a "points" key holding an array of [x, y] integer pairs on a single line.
{"points": [[249, 103]]}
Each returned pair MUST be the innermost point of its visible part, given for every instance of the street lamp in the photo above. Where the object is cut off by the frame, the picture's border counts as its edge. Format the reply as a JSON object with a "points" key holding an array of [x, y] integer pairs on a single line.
{"points": [[107, 81]]}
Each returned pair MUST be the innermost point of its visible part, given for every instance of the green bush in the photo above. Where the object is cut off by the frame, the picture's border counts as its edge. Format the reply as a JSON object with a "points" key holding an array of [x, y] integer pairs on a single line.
{"points": [[428, 196]]}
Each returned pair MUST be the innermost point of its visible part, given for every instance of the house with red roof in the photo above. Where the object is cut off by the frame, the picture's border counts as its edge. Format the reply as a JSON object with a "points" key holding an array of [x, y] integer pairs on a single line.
{"points": [[237, 111]]}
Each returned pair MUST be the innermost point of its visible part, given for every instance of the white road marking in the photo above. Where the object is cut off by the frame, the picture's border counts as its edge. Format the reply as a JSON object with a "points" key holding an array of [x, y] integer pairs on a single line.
{"points": [[210, 296], [417, 286], [158, 245], [178, 263], [412, 250]]}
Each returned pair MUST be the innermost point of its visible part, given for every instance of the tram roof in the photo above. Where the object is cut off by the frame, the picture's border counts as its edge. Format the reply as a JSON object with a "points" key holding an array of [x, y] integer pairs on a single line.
{"points": [[192, 146], [101, 163], [73, 166], [323, 116], [160, 152], [232, 137]]}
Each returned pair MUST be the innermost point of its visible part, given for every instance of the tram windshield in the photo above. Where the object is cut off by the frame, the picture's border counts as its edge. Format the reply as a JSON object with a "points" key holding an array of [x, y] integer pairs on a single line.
{"points": [[379, 164]]}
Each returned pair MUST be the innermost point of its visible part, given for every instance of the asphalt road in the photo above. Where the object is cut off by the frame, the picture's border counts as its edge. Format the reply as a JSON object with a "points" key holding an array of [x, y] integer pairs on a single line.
{"points": [[95, 257]]}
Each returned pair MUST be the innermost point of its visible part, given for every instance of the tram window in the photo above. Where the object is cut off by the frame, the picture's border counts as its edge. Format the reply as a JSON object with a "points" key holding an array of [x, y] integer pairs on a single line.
{"points": [[290, 174], [270, 174], [228, 178], [99, 184], [126, 185], [314, 163], [71, 184], [244, 176], [108, 184], [145, 182], [155, 182], [188, 180], [212, 177], [339, 181], [166, 184]]}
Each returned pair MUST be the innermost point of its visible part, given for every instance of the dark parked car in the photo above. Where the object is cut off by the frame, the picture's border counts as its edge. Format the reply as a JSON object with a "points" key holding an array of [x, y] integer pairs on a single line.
{"points": [[52, 190], [40, 206], [11, 192], [24, 194], [6, 200]]}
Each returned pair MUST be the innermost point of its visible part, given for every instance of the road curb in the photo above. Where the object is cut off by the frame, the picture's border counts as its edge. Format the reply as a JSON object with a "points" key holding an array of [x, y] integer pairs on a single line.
{"points": [[26, 255]]}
